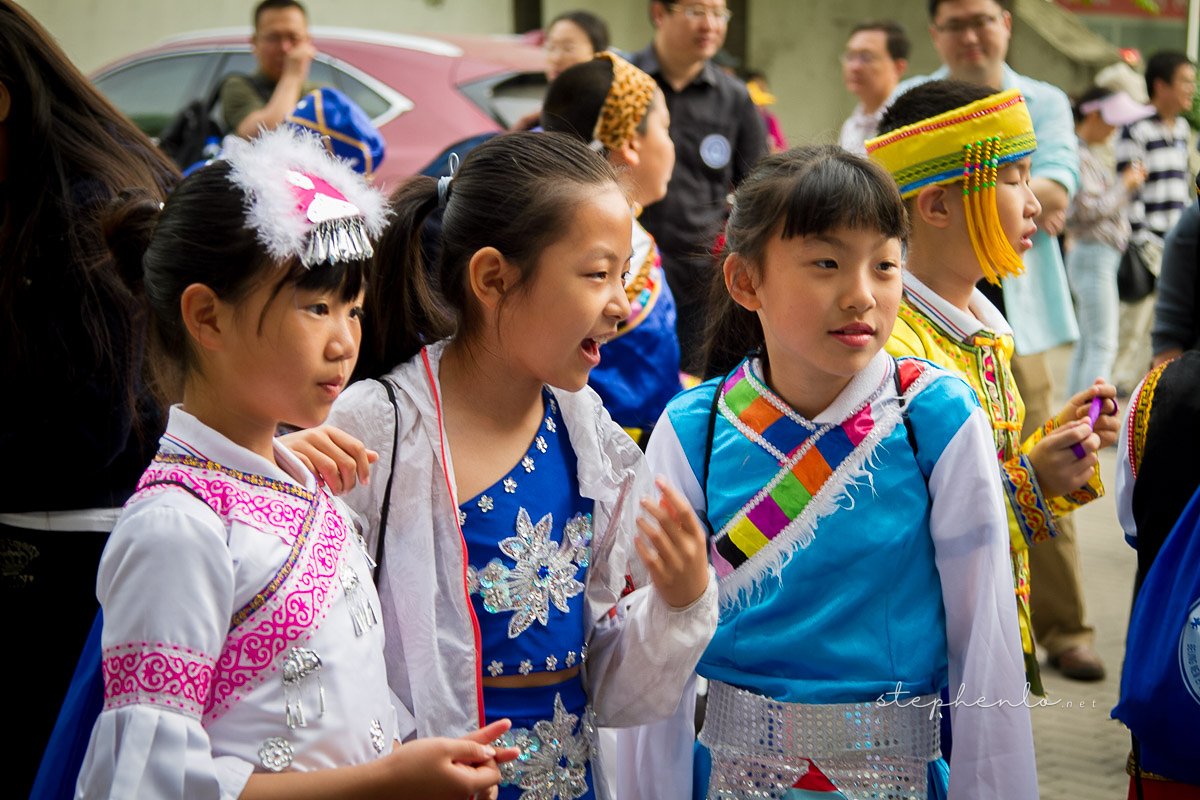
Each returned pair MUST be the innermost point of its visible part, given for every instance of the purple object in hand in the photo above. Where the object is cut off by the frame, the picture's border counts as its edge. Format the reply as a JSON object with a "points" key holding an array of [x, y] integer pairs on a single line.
{"points": [[1093, 415]]}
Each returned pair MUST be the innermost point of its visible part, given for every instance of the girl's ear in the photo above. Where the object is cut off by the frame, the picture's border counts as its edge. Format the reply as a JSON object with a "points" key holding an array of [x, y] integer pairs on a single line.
{"points": [[628, 155], [490, 275], [933, 206], [200, 310], [740, 282]]}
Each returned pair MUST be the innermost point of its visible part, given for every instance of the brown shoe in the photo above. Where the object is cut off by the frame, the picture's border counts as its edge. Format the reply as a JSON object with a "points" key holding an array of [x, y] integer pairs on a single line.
{"points": [[1080, 663]]}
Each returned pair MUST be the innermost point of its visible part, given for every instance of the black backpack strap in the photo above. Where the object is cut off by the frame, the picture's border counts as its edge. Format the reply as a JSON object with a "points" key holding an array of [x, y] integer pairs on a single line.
{"points": [[387, 490], [708, 447]]}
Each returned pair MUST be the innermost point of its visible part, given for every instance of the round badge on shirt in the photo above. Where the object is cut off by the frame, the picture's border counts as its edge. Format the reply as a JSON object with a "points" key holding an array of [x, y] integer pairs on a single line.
{"points": [[1189, 651], [715, 151]]}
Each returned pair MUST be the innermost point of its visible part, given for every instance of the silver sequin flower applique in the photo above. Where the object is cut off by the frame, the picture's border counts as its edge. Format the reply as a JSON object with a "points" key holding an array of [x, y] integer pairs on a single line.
{"points": [[276, 754], [554, 756], [544, 573]]}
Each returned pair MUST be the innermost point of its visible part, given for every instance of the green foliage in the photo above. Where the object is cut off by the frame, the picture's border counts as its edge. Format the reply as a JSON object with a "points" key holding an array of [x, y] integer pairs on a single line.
{"points": [[1192, 115]]}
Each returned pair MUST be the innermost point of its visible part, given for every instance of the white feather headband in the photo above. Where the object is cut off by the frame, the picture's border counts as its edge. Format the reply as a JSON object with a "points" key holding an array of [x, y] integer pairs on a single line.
{"points": [[302, 202]]}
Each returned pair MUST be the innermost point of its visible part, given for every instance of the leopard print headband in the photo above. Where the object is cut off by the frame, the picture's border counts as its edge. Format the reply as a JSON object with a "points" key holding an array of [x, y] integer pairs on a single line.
{"points": [[626, 105]]}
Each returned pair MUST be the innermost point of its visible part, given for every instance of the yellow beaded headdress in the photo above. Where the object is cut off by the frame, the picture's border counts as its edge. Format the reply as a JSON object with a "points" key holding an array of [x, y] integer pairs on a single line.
{"points": [[968, 144], [626, 105]]}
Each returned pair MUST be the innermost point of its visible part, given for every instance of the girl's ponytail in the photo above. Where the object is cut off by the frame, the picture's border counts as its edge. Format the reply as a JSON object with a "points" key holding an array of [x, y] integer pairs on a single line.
{"points": [[405, 309], [127, 225]]}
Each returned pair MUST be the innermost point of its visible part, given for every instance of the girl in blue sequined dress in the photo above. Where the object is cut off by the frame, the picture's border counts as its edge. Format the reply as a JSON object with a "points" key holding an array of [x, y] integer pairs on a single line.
{"points": [[505, 504]]}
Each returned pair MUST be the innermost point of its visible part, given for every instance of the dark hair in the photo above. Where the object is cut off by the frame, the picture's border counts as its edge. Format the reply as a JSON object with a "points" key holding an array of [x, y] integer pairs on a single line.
{"points": [[201, 236], [929, 100], [576, 97], [1005, 5], [276, 5], [1162, 67], [1093, 92], [898, 45], [802, 192], [592, 26], [516, 192], [69, 154]]}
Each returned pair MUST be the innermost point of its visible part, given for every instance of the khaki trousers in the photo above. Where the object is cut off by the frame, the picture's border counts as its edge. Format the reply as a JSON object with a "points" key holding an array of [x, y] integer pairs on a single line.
{"points": [[1056, 586]]}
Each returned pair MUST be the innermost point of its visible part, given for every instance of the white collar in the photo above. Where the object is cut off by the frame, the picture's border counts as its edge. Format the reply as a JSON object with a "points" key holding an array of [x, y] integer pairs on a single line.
{"points": [[857, 391], [186, 434], [952, 319]]}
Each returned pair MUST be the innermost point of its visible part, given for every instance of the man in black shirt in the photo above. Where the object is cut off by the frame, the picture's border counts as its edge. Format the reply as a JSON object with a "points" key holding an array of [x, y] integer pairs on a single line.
{"points": [[718, 137]]}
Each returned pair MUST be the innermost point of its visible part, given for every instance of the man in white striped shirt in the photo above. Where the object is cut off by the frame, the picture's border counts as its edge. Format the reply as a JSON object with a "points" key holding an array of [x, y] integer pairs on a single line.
{"points": [[1160, 145]]}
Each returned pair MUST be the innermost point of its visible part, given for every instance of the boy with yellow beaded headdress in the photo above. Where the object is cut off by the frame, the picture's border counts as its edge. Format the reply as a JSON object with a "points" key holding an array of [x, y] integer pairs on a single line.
{"points": [[961, 156]]}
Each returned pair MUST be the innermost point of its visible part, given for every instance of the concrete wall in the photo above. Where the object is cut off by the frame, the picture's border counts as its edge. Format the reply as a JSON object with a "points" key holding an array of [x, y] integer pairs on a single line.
{"points": [[94, 32]]}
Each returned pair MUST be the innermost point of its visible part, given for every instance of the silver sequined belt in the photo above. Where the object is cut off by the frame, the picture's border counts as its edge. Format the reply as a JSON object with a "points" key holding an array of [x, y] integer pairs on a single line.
{"points": [[762, 747]]}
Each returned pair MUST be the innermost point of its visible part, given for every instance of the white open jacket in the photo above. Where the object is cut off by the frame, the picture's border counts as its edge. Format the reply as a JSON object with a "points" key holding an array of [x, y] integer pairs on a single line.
{"points": [[639, 658]]}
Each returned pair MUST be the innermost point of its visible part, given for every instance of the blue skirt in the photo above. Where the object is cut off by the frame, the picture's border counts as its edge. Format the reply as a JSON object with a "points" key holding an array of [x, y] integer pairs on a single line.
{"points": [[553, 729]]}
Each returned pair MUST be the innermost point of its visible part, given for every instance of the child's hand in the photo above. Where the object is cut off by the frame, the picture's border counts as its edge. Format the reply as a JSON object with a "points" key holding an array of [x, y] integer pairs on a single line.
{"points": [[336, 456], [454, 769], [490, 733], [1058, 468], [673, 547], [1108, 424]]}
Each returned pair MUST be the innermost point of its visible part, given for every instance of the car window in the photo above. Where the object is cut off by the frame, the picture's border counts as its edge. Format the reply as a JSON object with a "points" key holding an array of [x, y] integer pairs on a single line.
{"points": [[508, 98], [153, 91], [325, 74], [370, 101]]}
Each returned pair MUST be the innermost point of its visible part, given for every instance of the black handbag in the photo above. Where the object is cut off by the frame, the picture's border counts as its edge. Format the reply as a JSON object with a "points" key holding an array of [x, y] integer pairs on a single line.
{"points": [[1134, 278]]}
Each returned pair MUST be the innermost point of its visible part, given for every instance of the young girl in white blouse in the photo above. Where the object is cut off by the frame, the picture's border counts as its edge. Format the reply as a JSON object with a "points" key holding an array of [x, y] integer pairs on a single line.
{"points": [[242, 650]]}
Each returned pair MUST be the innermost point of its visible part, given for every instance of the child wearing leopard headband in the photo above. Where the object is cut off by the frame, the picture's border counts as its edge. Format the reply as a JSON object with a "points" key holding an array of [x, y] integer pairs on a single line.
{"points": [[621, 113], [961, 157]]}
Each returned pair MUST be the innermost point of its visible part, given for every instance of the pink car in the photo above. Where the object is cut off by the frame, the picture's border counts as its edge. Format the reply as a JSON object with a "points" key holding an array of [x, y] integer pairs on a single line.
{"points": [[424, 93]]}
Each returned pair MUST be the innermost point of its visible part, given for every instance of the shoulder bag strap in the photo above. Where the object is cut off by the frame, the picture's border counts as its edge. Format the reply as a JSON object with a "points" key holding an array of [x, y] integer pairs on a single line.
{"points": [[387, 490]]}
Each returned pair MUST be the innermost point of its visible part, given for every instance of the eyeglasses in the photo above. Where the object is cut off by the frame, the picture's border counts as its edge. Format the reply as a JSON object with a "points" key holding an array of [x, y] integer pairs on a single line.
{"points": [[276, 39], [697, 12], [957, 27], [864, 57]]}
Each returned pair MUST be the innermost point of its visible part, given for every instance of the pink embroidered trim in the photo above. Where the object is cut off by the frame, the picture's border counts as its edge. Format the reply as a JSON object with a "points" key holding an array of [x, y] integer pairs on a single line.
{"points": [[271, 512], [287, 618], [156, 673]]}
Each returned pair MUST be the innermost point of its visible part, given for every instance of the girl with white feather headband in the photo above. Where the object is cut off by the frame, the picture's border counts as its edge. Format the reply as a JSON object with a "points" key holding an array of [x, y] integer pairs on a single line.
{"points": [[242, 654]]}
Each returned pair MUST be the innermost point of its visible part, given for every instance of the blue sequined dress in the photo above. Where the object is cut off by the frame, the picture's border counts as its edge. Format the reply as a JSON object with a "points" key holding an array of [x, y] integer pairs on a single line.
{"points": [[529, 544]]}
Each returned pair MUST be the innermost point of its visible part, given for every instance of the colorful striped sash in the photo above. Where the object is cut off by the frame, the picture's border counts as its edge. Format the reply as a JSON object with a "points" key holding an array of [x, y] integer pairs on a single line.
{"points": [[809, 455]]}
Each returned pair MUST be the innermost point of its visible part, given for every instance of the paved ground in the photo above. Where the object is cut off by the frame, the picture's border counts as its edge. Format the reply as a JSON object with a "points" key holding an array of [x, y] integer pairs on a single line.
{"points": [[1080, 750]]}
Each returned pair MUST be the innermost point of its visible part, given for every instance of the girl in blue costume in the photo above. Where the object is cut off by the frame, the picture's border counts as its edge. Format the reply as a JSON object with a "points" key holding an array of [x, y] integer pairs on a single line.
{"points": [[622, 114], [859, 538], [512, 517]]}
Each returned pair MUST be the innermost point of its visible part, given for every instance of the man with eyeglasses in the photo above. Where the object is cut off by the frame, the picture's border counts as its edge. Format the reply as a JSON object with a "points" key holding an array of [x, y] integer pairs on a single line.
{"points": [[972, 38], [875, 58], [284, 52], [718, 137]]}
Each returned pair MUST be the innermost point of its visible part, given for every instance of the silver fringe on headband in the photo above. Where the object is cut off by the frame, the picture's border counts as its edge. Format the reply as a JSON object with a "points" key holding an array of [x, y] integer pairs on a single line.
{"points": [[335, 241]]}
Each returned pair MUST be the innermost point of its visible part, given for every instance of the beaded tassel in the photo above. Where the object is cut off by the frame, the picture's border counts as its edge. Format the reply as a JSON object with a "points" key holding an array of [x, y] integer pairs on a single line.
{"points": [[995, 253]]}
